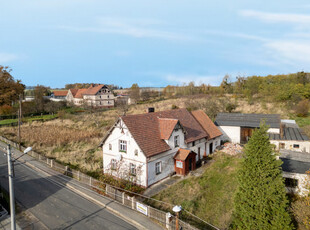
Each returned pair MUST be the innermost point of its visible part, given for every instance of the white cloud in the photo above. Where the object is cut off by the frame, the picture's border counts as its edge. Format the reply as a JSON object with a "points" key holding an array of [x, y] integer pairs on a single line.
{"points": [[139, 28], [197, 79], [277, 17], [7, 57], [237, 35], [291, 52]]}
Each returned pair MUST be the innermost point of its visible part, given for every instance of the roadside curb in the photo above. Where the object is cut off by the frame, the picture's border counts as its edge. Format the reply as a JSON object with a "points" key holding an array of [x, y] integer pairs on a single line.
{"points": [[135, 223]]}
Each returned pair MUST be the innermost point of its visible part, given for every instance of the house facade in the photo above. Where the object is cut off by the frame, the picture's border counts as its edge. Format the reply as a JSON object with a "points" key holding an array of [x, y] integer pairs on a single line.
{"points": [[284, 134], [145, 148], [95, 96]]}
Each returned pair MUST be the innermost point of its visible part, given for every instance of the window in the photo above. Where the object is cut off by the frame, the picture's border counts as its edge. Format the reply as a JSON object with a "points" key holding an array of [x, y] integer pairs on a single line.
{"points": [[176, 141], [136, 152], [133, 169], [113, 164], [198, 153], [296, 146], [291, 183], [193, 143], [122, 146], [110, 146], [158, 168]]}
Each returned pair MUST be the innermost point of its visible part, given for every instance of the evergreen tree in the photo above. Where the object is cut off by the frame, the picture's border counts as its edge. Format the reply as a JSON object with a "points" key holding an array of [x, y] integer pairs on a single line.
{"points": [[261, 201]]}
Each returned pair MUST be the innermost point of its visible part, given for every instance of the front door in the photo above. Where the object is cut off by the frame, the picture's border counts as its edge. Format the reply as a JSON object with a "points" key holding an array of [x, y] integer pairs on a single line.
{"points": [[190, 164], [211, 148]]}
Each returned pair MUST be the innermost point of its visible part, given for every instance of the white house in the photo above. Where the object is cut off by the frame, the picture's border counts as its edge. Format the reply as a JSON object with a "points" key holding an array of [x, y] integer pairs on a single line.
{"points": [[142, 147], [95, 95], [284, 134]]}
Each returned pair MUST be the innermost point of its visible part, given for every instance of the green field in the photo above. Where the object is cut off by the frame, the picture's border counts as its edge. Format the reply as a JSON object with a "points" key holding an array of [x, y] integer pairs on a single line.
{"points": [[209, 196]]}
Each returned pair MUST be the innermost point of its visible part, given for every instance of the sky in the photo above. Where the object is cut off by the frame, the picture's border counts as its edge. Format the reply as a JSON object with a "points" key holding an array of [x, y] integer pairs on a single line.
{"points": [[152, 43]]}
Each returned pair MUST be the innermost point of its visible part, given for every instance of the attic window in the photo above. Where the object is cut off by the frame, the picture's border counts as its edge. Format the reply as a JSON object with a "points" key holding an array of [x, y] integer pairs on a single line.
{"points": [[296, 146], [176, 141], [136, 152], [110, 146]]}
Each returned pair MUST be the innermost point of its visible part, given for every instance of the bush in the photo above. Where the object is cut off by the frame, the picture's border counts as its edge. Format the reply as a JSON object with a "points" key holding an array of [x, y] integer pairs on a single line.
{"points": [[302, 108], [6, 110]]}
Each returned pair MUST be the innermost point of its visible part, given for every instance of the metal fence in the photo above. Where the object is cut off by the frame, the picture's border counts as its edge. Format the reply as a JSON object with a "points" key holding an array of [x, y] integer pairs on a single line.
{"points": [[134, 202]]}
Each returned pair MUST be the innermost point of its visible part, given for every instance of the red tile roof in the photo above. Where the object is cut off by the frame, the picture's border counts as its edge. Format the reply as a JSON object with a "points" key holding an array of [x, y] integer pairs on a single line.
{"points": [[182, 154], [73, 91], [207, 124], [145, 129], [92, 90], [166, 126], [60, 93], [79, 93]]}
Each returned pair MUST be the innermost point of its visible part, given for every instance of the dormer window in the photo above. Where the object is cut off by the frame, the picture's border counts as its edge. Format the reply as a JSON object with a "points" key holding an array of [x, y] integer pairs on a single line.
{"points": [[176, 141]]}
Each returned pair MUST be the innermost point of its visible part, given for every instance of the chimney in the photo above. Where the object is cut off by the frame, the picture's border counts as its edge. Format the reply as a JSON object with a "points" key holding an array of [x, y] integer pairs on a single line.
{"points": [[151, 110], [282, 127]]}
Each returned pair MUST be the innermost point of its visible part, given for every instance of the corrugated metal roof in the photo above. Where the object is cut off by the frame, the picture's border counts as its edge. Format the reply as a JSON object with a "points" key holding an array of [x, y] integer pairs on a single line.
{"points": [[247, 120], [290, 134], [294, 166]]}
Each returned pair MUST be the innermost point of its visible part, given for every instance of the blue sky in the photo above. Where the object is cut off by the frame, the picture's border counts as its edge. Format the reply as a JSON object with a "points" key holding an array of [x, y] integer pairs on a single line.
{"points": [[152, 43]]}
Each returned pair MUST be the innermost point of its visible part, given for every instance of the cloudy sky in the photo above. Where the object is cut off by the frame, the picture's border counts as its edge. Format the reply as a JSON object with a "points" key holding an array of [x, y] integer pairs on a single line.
{"points": [[152, 43]]}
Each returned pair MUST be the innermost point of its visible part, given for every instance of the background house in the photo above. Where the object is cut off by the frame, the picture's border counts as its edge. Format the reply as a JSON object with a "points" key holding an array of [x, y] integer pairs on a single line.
{"points": [[95, 96], [284, 134], [143, 148]]}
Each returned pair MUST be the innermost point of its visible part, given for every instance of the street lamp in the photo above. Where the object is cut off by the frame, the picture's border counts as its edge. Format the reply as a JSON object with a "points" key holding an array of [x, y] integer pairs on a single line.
{"points": [[177, 209], [11, 185]]}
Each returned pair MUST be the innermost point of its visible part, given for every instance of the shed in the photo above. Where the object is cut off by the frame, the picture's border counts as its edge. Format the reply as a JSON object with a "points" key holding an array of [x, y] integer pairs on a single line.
{"points": [[184, 161]]}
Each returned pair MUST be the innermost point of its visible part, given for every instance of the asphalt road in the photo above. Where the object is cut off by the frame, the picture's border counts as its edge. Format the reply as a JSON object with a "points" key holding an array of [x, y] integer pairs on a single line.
{"points": [[53, 204]]}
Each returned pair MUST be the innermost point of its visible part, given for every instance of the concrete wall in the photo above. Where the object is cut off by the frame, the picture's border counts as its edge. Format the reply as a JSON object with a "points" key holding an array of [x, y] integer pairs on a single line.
{"points": [[273, 130], [230, 133], [304, 146], [303, 183]]}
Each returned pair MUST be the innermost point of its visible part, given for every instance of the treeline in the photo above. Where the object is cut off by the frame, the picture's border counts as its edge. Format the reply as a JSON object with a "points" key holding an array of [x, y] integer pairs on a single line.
{"points": [[290, 87], [87, 85]]}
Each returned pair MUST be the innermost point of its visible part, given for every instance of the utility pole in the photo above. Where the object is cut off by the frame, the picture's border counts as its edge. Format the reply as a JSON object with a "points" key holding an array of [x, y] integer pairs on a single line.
{"points": [[19, 120], [11, 188]]}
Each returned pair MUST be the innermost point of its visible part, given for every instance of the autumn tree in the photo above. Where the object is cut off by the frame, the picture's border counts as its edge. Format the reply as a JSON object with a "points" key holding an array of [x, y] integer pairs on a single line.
{"points": [[10, 89], [261, 202], [39, 92], [135, 92]]}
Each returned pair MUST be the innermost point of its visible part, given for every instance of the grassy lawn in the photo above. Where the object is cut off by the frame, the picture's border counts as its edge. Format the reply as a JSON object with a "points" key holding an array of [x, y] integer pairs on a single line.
{"points": [[209, 196], [7, 121], [27, 119], [302, 121]]}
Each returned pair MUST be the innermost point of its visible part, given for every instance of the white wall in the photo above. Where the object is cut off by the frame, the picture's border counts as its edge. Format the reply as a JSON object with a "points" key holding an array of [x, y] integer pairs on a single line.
{"points": [[167, 164], [230, 133], [128, 157], [303, 145]]}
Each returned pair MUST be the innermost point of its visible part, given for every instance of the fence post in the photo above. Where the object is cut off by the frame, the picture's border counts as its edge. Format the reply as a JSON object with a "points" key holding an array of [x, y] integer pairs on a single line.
{"points": [[90, 181], [133, 202], [66, 172], [168, 216], [106, 189], [123, 197], [148, 211], [78, 175], [39, 157], [52, 163]]}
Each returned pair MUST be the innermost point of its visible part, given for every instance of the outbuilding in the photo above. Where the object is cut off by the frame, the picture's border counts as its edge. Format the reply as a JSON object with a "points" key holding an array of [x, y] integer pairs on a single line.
{"points": [[184, 161]]}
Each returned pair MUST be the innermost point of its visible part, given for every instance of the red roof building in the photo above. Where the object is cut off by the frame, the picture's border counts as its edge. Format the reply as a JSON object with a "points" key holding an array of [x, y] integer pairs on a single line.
{"points": [[155, 141]]}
